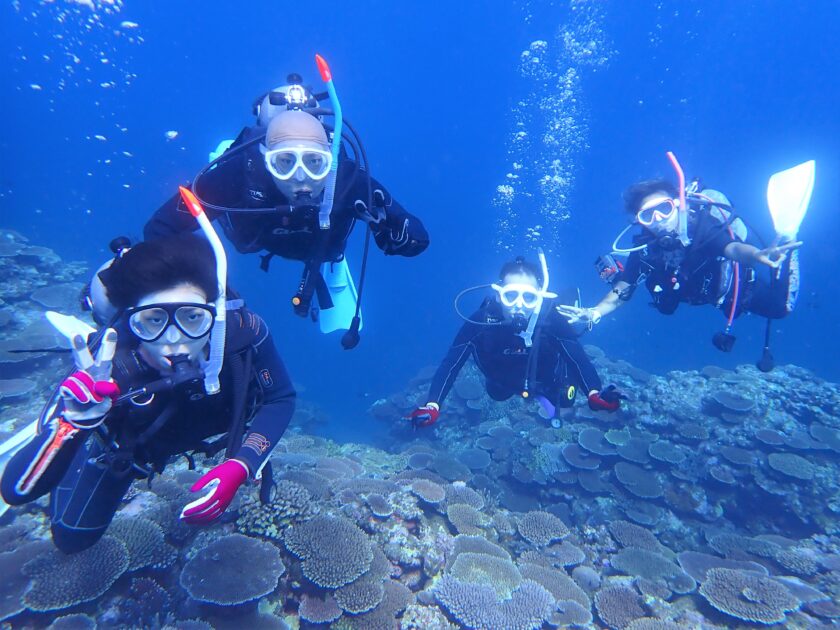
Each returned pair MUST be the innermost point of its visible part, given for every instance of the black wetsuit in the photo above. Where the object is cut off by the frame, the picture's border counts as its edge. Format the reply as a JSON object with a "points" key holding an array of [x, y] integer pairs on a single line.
{"points": [[244, 183], [504, 360], [89, 476], [701, 274]]}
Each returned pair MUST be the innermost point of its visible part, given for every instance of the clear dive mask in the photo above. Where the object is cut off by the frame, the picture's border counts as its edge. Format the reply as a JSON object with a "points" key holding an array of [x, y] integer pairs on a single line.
{"points": [[284, 162], [150, 322]]}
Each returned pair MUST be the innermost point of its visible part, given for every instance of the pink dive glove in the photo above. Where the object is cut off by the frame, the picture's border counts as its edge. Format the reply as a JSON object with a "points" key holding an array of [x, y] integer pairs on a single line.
{"points": [[222, 482]]}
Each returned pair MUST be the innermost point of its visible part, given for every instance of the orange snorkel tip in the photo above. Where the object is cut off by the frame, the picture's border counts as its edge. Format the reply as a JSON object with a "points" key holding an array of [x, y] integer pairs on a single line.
{"points": [[191, 201], [323, 68]]}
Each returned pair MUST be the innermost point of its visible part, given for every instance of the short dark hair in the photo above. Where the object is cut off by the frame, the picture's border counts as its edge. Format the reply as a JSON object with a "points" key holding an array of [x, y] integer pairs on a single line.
{"points": [[161, 264], [634, 194], [520, 265]]}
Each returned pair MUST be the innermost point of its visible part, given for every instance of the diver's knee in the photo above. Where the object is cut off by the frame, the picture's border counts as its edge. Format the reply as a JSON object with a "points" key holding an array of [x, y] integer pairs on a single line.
{"points": [[69, 540]]}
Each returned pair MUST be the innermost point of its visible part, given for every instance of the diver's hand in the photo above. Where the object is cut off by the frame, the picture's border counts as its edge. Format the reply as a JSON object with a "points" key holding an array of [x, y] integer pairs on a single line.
{"points": [[608, 399], [424, 416], [89, 392], [222, 482], [375, 216], [775, 255], [575, 315]]}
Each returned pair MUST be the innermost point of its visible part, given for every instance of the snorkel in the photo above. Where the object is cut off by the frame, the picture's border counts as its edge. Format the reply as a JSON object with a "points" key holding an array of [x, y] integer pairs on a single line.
{"points": [[528, 334], [683, 209], [329, 190], [213, 366]]}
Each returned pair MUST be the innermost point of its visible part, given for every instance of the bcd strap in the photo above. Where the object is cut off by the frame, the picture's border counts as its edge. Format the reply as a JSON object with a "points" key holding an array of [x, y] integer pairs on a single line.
{"points": [[266, 484]]}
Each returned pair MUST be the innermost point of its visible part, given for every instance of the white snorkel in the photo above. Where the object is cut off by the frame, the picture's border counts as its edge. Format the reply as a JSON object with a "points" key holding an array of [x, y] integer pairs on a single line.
{"points": [[528, 334], [213, 366]]}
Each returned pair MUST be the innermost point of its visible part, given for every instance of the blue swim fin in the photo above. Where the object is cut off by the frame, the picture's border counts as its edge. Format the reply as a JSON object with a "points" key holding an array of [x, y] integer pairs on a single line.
{"points": [[788, 196], [343, 293]]}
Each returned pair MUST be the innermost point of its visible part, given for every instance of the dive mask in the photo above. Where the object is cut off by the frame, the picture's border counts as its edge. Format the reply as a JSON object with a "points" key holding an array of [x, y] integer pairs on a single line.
{"points": [[284, 162], [518, 296], [148, 323], [656, 211]]}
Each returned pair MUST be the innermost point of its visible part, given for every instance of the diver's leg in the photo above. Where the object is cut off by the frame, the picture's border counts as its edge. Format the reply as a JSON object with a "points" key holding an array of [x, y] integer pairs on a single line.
{"points": [[85, 500], [15, 485]]}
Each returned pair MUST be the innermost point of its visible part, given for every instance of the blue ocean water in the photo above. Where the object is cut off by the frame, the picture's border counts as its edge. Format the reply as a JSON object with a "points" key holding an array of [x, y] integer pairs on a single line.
{"points": [[738, 90]]}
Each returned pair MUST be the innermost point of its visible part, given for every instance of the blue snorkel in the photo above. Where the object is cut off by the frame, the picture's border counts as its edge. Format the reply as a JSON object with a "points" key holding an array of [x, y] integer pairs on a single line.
{"points": [[329, 190]]}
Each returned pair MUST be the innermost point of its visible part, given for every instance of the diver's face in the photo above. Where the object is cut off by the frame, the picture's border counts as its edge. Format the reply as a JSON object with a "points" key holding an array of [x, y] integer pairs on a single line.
{"points": [[522, 296], [658, 214], [300, 184], [173, 342]]}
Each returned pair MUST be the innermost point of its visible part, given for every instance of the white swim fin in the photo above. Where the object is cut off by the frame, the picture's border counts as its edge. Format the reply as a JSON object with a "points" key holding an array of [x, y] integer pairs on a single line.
{"points": [[788, 196], [343, 293]]}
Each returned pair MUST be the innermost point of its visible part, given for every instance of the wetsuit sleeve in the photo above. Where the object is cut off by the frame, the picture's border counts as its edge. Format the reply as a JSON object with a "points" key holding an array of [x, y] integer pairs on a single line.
{"points": [[33, 459], [459, 352], [278, 395], [399, 233]]}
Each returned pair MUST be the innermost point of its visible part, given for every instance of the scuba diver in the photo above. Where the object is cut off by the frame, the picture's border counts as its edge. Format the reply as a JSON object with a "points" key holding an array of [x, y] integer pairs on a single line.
{"points": [[692, 249], [286, 188], [174, 369], [521, 348]]}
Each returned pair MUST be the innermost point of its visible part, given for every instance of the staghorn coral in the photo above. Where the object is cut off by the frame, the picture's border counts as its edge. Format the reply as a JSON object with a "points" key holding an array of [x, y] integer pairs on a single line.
{"points": [[747, 596], [541, 528], [618, 606], [145, 604], [232, 570], [417, 617], [318, 610], [60, 581], [332, 549], [147, 548]]}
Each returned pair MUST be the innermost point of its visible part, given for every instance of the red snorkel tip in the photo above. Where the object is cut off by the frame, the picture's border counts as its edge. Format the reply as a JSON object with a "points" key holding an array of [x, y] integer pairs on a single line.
{"points": [[323, 68], [191, 201]]}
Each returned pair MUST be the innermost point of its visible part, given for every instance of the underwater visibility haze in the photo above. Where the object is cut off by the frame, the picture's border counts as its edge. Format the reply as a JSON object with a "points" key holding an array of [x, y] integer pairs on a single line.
{"points": [[650, 467]]}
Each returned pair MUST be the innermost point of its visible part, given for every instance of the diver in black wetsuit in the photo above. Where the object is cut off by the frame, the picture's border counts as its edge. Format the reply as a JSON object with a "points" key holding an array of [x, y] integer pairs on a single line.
{"points": [[715, 267], [145, 397], [269, 191], [521, 348]]}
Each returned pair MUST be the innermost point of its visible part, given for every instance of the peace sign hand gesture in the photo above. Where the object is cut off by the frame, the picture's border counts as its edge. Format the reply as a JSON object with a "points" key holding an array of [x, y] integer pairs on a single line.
{"points": [[775, 255], [89, 392]]}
